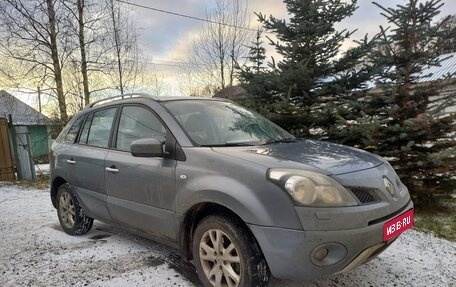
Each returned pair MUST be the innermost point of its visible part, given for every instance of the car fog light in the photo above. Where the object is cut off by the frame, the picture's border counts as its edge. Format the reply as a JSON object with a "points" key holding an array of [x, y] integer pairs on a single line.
{"points": [[320, 254], [328, 254]]}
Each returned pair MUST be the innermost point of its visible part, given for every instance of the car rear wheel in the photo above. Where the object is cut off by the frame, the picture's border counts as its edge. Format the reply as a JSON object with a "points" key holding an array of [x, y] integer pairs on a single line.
{"points": [[226, 254], [72, 218]]}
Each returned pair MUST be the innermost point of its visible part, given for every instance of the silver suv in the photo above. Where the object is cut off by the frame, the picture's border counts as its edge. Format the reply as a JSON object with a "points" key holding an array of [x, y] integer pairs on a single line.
{"points": [[237, 194]]}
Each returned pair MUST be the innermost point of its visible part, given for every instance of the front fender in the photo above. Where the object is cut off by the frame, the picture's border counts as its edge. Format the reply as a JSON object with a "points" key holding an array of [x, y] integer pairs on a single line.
{"points": [[265, 205]]}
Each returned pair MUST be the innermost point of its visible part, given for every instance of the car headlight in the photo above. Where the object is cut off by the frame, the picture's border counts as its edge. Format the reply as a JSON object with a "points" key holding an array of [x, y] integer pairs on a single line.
{"points": [[311, 188]]}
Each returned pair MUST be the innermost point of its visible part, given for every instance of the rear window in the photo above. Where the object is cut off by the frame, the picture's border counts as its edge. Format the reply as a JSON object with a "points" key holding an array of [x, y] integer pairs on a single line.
{"points": [[97, 128], [85, 129], [73, 131], [100, 128]]}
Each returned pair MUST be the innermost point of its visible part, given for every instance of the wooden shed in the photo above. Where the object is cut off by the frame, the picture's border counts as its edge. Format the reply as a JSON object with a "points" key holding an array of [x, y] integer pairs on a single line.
{"points": [[22, 115]]}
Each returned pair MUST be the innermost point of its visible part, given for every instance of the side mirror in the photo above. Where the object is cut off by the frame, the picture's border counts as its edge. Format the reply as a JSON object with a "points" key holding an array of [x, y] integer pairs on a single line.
{"points": [[151, 147]]}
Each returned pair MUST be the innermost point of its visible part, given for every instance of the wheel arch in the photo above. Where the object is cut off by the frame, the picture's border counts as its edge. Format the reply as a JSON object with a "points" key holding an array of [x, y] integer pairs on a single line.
{"points": [[56, 183], [194, 215]]}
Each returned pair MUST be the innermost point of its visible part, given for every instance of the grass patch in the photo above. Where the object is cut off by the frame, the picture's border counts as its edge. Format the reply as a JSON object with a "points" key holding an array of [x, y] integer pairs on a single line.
{"points": [[41, 182], [441, 220]]}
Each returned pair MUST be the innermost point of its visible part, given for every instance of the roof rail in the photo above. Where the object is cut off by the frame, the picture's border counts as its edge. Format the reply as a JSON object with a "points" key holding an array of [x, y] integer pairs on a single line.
{"points": [[117, 98]]}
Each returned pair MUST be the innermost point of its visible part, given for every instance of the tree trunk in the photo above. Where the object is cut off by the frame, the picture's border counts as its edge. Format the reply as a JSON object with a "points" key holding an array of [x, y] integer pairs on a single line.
{"points": [[117, 45], [82, 47], [56, 61], [221, 55]]}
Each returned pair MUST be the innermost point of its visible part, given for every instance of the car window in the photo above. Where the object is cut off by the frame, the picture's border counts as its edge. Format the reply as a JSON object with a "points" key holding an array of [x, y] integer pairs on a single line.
{"points": [[85, 130], [100, 128], [70, 137], [138, 123]]}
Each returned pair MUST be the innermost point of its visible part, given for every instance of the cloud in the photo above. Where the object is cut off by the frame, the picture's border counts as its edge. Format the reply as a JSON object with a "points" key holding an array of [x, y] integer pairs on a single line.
{"points": [[266, 7], [168, 37], [161, 32], [367, 18]]}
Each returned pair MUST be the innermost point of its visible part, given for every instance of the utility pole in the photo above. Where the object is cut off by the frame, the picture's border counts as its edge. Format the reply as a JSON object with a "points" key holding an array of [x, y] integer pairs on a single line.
{"points": [[39, 99]]}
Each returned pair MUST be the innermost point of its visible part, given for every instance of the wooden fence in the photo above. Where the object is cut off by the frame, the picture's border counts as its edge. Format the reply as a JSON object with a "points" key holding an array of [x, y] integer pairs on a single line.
{"points": [[6, 159]]}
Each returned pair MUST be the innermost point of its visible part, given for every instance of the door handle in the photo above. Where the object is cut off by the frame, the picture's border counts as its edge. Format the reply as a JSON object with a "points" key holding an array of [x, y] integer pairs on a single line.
{"points": [[112, 169], [71, 161]]}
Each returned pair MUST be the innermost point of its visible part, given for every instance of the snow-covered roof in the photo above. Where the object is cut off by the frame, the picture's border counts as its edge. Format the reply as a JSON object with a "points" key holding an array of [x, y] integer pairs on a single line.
{"points": [[446, 68], [21, 113], [434, 73]]}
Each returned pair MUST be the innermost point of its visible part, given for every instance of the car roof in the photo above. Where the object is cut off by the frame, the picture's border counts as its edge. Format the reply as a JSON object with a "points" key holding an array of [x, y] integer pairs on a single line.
{"points": [[126, 97]]}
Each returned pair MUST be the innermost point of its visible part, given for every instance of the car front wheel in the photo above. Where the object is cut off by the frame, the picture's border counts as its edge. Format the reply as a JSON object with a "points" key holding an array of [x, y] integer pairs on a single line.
{"points": [[226, 254], [71, 216]]}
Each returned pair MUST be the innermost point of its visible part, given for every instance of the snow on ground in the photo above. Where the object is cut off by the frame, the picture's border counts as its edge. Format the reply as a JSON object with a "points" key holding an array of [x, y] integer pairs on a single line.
{"points": [[43, 168], [34, 251]]}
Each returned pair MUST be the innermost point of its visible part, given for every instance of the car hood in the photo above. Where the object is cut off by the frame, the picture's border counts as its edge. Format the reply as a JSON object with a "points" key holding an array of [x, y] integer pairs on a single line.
{"points": [[325, 157]]}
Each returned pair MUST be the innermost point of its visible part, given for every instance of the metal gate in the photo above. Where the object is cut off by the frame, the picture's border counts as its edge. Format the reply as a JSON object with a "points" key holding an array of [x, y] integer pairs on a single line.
{"points": [[6, 159], [24, 161]]}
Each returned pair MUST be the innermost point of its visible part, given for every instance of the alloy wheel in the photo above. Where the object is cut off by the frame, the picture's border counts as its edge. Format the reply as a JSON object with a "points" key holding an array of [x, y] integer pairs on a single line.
{"points": [[67, 210], [220, 259]]}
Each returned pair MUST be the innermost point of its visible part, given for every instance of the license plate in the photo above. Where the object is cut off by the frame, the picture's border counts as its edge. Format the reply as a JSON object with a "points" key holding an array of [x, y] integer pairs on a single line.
{"points": [[399, 224]]}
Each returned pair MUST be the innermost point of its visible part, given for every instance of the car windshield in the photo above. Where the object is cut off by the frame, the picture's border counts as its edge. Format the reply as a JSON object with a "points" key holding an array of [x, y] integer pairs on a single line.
{"points": [[219, 123]]}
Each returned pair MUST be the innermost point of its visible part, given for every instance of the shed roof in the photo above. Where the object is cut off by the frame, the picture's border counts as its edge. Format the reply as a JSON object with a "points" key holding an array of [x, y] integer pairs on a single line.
{"points": [[231, 93], [446, 68], [21, 113]]}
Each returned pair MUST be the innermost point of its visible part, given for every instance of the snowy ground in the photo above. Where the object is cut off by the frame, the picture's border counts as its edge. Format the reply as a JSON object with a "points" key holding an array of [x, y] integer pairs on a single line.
{"points": [[42, 168], [34, 251]]}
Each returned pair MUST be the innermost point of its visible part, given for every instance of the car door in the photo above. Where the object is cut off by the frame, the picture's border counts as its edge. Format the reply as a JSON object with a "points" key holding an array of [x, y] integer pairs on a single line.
{"points": [[86, 162], [66, 151], [141, 190]]}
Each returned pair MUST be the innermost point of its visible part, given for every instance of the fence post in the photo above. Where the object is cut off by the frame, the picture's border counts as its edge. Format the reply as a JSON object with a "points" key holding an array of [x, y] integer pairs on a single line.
{"points": [[25, 166], [6, 159]]}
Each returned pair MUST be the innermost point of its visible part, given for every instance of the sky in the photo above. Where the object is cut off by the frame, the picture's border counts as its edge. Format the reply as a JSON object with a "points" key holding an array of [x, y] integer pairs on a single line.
{"points": [[165, 39]]}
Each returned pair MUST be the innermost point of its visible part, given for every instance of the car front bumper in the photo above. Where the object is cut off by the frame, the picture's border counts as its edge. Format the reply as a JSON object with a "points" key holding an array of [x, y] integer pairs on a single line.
{"points": [[291, 254]]}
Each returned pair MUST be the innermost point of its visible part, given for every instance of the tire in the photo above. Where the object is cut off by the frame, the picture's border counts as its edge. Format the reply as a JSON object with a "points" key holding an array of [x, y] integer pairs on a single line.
{"points": [[238, 261], [71, 216]]}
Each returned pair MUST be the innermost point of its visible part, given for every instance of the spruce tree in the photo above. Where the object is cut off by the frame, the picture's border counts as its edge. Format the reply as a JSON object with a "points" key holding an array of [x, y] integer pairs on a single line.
{"points": [[303, 90], [404, 117], [254, 76]]}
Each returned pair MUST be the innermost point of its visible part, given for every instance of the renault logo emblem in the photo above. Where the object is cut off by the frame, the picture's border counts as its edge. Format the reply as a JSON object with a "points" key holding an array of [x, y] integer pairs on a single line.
{"points": [[388, 185]]}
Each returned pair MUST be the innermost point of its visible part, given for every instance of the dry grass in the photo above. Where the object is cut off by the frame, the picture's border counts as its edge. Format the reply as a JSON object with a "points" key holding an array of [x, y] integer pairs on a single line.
{"points": [[441, 221], [41, 182]]}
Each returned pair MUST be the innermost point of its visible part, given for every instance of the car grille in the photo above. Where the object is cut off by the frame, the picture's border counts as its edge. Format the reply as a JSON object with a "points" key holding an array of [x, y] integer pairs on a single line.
{"points": [[364, 195]]}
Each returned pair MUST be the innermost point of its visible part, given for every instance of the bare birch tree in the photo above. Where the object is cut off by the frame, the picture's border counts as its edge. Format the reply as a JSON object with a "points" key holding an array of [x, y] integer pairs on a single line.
{"points": [[36, 37], [156, 82], [88, 29], [220, 47], [81, 6], [447, 40], [123, 41], [188, 81], [192, 83]]}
